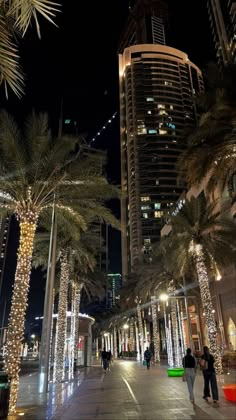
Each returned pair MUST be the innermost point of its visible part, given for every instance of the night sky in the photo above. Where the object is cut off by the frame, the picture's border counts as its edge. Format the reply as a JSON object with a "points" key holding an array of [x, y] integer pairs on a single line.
{"points": [[78, 62]]}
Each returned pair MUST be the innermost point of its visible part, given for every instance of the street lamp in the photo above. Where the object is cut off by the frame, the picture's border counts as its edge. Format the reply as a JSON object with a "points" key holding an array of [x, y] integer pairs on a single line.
{"points": [[163, 297], [33, 336], [125, 326]]}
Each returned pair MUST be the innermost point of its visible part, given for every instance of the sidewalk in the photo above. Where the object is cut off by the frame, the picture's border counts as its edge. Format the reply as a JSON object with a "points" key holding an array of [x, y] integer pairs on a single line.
{"points": [[128, 391]]}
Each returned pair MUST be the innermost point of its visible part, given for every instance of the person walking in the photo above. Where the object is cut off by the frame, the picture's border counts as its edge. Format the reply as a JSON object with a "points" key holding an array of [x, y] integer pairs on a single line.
{"points": [[147, 357], [207, 365], [109, 358], [190, 367], [104, 359]]}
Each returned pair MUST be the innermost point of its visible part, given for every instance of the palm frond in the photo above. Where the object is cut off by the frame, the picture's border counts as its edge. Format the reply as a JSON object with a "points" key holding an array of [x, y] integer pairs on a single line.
{"points": [[24, 10]]}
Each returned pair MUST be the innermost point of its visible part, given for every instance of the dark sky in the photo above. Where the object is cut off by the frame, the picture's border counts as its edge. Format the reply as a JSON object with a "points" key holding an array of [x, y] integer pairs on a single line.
{"points": [[78, 61]]}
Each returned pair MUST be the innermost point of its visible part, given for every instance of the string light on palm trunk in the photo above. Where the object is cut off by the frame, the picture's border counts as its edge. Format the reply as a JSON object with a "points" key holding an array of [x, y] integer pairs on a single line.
{"points": [[156, 333], [59, 373], [28, 222], [207, 304]]}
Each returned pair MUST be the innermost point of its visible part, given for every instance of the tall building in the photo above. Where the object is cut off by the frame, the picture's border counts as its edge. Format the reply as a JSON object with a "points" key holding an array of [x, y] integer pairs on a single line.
{"points": [[113, 289], [222, 15], [157, 88], [145, 24]]}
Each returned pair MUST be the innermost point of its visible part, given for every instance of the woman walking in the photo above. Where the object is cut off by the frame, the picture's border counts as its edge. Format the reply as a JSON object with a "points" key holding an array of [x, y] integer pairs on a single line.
{"points": [[190, 366], [207, 364]]}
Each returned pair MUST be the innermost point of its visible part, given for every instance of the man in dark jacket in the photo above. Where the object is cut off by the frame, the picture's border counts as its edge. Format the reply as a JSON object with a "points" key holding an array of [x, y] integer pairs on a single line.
{"points": [[104, 359], [207, 364], [147, 357]]}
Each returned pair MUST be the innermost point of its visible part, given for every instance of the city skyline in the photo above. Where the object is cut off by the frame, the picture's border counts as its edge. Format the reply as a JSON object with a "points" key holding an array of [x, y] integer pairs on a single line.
{"points": [[87, 101]]}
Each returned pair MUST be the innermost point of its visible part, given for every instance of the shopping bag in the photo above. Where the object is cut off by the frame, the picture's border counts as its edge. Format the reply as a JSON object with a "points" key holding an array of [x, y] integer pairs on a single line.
{"points": [[144, 363]]}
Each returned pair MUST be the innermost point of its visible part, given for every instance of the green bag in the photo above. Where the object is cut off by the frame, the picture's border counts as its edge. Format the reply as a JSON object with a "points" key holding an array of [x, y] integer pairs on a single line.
{"points": [[144, 363]]}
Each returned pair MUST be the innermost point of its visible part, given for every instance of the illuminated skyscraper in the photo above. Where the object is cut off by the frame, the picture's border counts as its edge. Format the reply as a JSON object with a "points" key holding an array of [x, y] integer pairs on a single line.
{"points": [[222, 15], [157, 88]]}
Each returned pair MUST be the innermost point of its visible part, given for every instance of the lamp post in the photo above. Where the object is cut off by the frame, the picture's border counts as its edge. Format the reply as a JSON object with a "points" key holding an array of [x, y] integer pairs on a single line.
{"points": [[48, 308]]}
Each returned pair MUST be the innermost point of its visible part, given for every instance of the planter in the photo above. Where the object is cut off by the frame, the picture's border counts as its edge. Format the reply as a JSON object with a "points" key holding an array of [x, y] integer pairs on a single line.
{"points": [[173, 372], [230, 392]]}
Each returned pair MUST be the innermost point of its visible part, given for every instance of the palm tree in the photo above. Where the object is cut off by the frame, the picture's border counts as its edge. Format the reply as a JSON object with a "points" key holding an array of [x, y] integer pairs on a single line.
{"points": [[38, 172], [212, 142], [75, 254], [15, 18], [201, 238]]}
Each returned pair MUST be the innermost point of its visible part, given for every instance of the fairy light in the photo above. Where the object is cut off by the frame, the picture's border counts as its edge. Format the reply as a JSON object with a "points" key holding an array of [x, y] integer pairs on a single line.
{"points": [[181, 330], [28, 222], [58, 372], [168, 339], [115, 342], [207, 305], [77, 297], [104, 127], [137, 341], [156, 333], [131, 335], [175, 333], [72, 335], [51, 340], [140, 327]]}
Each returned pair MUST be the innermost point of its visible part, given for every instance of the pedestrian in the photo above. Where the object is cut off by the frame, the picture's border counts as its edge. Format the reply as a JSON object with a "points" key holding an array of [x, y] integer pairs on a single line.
{"points": [[190, 366], [147, 357], [109, 358], [207, 365], [104, 359]]}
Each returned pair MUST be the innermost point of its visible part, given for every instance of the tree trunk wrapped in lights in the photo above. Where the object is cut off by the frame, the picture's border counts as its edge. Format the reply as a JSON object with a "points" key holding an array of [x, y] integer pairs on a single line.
{"points": [[51, 341], [115, 342], [156, 333], [168, 339], [175, 333], [72, 334], [15, 333], [77, 297], [140, 327], [131, 332], [59, 373], [137, 341], [181, 329], [207, 305]]}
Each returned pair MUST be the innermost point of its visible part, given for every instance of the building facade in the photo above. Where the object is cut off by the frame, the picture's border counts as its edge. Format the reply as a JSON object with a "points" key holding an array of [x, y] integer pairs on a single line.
{"points": [[157, 88], [222, 15]]}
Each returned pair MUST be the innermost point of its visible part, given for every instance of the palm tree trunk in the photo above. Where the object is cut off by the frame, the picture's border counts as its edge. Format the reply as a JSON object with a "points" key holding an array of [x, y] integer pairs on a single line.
{"points": [[77, 297], [72, 334], [59, 373], [207, 306], [140, 327], [156, 334], [175, 333], [16, 324]]}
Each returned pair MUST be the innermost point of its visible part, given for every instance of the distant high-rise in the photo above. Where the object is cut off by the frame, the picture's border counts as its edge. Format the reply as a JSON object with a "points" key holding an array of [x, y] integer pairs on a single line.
{"points": [[157, 89], [145, 24], [222, 15]]}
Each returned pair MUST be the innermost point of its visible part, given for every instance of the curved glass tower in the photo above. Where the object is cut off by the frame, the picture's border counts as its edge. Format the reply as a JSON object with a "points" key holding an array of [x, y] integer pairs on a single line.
{"points": [[157, 89]]}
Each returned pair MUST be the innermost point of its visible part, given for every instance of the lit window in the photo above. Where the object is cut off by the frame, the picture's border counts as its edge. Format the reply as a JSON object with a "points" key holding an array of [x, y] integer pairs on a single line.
{"points": [[149, 112], [171, 107], [152, 131], [162, 112], [145, 198], [141, 130], [168, 83], [145, 207], [150, 99], [162, 132], [158, 214], [161, 106], [147, 241], [157, 206], [145, 215], [157, 181], [171, 125]]}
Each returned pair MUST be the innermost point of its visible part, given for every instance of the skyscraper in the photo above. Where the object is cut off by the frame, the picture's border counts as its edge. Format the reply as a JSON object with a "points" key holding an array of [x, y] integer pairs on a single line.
{"points": [[157, 88], [222, 15]]}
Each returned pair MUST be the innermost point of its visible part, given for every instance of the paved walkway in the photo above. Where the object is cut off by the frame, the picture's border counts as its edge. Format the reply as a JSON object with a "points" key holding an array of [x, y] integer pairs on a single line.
{"points": [[129, 391]]}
